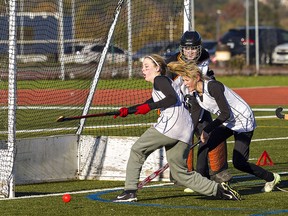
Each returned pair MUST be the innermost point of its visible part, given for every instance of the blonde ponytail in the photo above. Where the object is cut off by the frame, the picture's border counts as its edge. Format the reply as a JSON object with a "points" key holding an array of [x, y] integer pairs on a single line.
{"points": [[189, 69]]}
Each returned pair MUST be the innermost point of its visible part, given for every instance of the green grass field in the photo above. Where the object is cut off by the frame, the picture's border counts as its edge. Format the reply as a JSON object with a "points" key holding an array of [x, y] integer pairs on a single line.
{"points": [[271, 135]]}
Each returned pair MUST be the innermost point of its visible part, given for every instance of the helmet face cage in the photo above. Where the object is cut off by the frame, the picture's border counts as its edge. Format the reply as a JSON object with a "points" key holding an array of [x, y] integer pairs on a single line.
{"points": [[192, 40], [197, 48]]}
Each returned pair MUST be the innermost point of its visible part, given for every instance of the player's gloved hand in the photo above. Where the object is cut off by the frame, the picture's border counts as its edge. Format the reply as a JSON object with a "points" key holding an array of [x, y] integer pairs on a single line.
{"points": [[188, 101], [123, 112], [210, 73], [142, 109]]}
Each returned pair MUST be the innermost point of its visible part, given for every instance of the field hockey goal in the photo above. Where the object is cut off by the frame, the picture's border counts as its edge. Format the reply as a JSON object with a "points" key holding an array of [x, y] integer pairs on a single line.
{"points": [[74, 58]]}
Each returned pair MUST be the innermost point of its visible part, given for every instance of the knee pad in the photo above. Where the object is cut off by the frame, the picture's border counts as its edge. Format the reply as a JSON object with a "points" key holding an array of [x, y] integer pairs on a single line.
{"points": [[190, 160], [218, 158]]}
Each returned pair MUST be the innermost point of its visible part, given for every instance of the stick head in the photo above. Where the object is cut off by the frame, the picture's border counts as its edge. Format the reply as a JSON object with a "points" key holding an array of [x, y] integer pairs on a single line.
{"points": [[278, 113], [60, 119]]}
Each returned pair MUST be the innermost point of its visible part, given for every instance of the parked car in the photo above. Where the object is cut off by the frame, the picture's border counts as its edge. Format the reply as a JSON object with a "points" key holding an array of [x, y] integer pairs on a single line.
{"points": [[163, 48], [269, 38], [280, 54], [210, 46], [92, 53], [69, 56]]}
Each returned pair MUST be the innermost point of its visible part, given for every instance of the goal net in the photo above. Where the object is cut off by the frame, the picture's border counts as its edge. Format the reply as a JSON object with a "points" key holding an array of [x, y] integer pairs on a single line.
{"points": [[76, 58]]}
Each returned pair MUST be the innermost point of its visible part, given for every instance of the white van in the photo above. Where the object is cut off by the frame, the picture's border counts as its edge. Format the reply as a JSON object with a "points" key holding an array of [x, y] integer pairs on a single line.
{"points": [[92, 53], [280, 54]]}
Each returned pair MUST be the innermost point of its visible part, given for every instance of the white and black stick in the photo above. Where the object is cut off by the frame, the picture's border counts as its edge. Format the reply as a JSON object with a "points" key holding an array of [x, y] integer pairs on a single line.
{"points": [[152, 176], [280, 115], [159, 171]]}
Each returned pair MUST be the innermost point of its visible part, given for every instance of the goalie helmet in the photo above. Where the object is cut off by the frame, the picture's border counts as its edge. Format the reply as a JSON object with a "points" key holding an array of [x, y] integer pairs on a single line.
{"points": [[191, 40]]}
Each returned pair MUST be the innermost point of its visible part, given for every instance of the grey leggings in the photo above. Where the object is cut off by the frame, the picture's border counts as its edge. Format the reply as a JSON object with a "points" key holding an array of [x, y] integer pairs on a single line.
{"points": [[176, 153]]}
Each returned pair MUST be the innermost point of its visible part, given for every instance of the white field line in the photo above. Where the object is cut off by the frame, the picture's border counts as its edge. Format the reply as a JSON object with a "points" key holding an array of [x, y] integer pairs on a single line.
{"points": [[75, 128], [267, 109], [261, 140], [266, 139], [102, 126], [265, 117], [94, 127]]}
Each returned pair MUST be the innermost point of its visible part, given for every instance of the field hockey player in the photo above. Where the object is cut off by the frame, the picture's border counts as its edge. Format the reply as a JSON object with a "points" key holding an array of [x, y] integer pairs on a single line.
{"points": [[234, 118]]}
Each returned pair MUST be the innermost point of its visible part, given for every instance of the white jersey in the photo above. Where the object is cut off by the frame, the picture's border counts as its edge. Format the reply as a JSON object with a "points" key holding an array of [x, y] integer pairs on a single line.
{"points": [[241, 116], [175, 121], [204, 66]]}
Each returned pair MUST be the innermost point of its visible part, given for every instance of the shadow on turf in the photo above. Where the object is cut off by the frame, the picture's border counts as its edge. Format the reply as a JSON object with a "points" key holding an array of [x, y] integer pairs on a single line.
{"points": [[255, 187], [193, 196], [249, 187], [21, 194], [249, 190]]}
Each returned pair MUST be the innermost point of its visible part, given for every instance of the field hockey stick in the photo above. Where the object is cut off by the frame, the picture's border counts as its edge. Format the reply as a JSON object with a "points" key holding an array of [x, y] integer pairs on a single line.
{"points": [[152, 176], [63, 118], [280, 115], [159, 171], [195, 144]]}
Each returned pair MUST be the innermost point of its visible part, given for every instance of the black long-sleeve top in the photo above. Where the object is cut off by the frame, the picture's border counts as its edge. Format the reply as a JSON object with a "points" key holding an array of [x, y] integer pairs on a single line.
{"points": [[216, 90], [163, 84]]}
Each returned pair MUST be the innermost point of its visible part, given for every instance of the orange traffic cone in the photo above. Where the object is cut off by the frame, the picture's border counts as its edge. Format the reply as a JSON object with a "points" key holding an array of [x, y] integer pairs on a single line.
{"points": [[264, 160]]}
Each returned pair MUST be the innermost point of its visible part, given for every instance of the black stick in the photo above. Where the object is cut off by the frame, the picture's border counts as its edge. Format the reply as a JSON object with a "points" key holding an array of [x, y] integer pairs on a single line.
{"points": [[131, 110], [63, 118], [280, 115]]}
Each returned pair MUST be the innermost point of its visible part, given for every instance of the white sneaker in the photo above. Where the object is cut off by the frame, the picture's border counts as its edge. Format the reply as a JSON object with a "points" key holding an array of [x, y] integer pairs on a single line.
{"points": [[188, 190], [270, 185]]}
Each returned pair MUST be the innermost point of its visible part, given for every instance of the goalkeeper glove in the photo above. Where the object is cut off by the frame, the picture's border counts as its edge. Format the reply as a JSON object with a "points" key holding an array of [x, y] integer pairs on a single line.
{"points": [[142, 109], [123, 112], [188, 101]]}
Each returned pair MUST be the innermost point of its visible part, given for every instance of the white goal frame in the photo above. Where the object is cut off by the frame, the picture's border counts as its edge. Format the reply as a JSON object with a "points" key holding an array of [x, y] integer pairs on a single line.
{"points": [[7, 155]]}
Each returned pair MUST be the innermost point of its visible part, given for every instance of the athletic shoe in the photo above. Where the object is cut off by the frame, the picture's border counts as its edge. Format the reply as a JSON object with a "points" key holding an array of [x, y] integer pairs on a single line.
{"points": [[188, 190], [126, 196], [224, 191], [270, 185]]}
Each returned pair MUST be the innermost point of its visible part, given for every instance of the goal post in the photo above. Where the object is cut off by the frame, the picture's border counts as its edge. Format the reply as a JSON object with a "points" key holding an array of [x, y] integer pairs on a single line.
{"points": [[99, 67], [7, 153]]}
